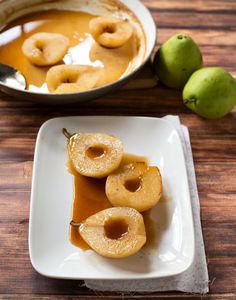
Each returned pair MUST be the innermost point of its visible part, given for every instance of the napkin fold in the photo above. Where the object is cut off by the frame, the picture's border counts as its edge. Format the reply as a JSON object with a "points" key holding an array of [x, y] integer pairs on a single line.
{"points": [[195, 278]]}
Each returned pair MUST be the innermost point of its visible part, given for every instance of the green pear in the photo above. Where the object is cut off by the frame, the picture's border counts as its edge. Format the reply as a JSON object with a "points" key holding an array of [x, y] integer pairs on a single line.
{"points": [[176, 60], [210, 92]]}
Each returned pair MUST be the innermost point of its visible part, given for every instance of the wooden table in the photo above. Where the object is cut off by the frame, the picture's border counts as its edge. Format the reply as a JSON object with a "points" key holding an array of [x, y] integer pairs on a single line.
{"points": [[213, 26]]}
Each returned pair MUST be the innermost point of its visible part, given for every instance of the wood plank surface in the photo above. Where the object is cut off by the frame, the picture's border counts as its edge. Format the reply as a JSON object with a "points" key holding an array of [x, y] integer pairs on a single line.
{"points": [[212, 24]]}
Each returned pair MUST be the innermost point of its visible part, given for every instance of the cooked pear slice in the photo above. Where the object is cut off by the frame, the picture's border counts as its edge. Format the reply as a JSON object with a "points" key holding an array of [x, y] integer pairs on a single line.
{"points": [[72, 78], [95, 154], [110, 32], [134, 185], [115, 232], [45, 49]]}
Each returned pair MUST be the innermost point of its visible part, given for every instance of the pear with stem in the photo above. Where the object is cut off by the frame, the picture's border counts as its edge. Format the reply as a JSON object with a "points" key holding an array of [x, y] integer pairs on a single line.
{"points": [[94, 154], [115, 232]]}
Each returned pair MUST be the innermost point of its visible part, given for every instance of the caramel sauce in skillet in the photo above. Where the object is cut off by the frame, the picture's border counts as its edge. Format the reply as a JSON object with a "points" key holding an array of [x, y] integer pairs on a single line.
{"points": [[82, 50], [90, 198]]}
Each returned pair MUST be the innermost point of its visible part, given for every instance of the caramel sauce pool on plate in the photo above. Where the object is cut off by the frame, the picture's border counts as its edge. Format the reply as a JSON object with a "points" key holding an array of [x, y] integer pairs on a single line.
{"points": [[90, 198], [82, 50]]}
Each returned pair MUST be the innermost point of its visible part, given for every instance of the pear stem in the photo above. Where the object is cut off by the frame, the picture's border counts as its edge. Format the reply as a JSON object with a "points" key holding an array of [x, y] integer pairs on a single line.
{"points": [[66, 133], [72, 223]]}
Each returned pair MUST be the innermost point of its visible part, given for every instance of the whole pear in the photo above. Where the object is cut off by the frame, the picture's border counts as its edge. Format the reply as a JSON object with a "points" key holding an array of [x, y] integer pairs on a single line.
{"points": [[176, 60], [210, 92]]}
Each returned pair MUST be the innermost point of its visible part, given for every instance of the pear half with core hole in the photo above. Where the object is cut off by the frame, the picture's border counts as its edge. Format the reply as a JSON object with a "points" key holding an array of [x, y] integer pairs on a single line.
{"points": [[72, 78], [110, 32], [115, 232], [45, 49], [95, 154], [134, 185]]}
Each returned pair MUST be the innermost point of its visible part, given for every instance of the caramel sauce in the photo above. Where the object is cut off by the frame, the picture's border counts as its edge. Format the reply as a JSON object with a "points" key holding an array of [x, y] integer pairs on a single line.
{"points": [[151, 231], [95, 152], [129, 158], [133, 185], [82, 50], [115, 228], [90, 198]]}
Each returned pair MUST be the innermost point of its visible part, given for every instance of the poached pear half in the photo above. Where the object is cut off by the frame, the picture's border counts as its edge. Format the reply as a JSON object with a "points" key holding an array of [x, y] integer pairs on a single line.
{"points": [[95, 154], [115, 232], [135, 185]]}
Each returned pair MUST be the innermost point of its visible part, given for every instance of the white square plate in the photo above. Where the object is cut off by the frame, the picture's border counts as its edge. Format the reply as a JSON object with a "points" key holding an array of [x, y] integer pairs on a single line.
{"points": [[51, 252]]}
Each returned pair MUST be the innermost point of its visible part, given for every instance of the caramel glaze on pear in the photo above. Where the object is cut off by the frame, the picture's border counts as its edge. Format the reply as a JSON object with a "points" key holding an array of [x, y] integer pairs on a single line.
{"points": [[115, 232], [110, 32], [135, 185], [95, 154]]}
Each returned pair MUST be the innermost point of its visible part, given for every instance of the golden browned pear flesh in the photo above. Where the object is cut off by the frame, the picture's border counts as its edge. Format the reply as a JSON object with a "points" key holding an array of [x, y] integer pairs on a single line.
{"points": [[72, 78], [115, 232], [94, 154], [134, 185], [45, 49], [110, 32]]}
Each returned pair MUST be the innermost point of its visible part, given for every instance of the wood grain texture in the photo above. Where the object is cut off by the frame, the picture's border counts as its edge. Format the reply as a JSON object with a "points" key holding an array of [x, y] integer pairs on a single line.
{"points": [[212, 24], [196, 5], [118, 297]]}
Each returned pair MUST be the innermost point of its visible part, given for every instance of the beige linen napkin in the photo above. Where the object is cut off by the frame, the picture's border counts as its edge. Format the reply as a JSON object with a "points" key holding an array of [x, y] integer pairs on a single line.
{"points": [[195, 278]]}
